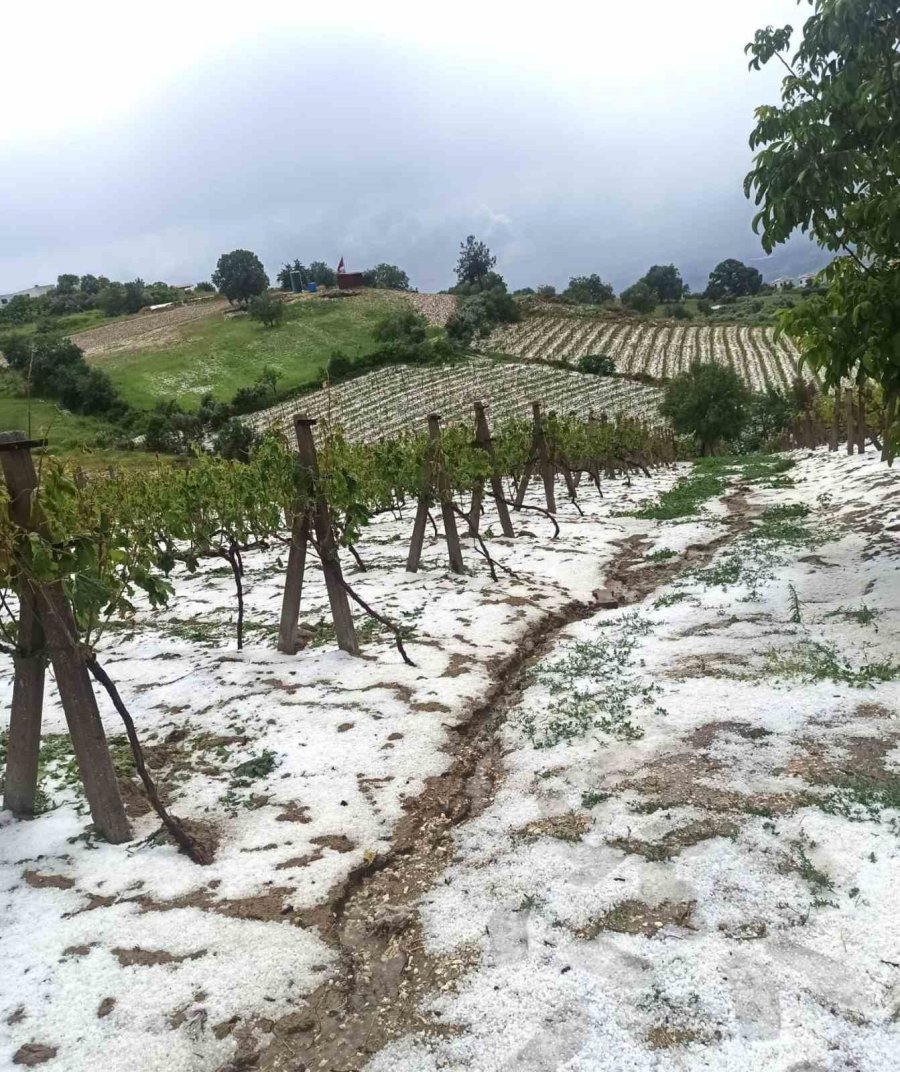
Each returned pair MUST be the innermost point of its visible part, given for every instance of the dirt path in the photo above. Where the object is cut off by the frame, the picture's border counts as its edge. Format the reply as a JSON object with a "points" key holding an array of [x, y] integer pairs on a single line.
{"points": [[385, 973]]}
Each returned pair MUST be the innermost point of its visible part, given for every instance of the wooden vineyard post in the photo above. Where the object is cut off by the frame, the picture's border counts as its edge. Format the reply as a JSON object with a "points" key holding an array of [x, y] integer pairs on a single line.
{"points": [[540, 460], [54, 613], [483, 439], [293, 581], [434, 475], [24, 743], [344, 629], [848, 417], [861, 418], [835, 432]]}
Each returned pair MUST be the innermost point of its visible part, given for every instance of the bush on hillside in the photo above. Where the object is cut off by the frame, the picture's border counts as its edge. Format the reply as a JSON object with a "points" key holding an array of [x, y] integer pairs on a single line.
{"points": [[266, 309], [678, 312], [598, 364], [709, 402], [588, 290], [235, 440], [639, 297]]}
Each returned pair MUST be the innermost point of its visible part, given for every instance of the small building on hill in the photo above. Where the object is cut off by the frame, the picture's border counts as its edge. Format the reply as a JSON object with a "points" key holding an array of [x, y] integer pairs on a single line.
{"points": [[350, 281]]}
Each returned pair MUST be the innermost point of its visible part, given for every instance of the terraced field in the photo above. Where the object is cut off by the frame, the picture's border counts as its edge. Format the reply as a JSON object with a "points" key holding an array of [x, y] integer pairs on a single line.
{"points": [[396, 398], [656, 348]]}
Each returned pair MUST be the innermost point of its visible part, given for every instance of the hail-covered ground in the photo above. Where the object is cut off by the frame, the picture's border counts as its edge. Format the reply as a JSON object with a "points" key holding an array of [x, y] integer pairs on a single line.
{"points": [[688, 861]]}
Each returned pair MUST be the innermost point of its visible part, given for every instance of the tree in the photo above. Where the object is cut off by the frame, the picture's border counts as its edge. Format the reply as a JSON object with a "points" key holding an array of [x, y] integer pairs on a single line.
{"points": [[66, 284], [639, 297], [322, 274], [732, 279], [134, 297], [665, 280], [546, 290], [111, 299], [475, 261], [709, 402], [267, 309], [827, 164], [588, 290], [18, 310], [401, 329], [89, 284], [239, 275], [203, 287], [598, 364], [386, 277]]}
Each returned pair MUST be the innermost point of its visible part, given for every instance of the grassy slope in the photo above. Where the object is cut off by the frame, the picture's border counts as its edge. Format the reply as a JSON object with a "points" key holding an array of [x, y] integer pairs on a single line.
{"points": [[219, 355], [68, 433]]}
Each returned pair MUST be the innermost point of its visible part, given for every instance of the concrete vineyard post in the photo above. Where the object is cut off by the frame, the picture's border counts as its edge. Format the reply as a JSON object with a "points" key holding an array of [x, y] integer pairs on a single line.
{"points": [[344, 629], [69, 667]]}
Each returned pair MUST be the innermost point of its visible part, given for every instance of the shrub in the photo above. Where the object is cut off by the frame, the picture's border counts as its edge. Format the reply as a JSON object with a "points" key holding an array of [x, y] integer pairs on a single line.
{"points": [[708, 401], [588, 290], [678, 312], [639, 297], [235, 440], [704, 306], [266, 309], [204, 287], [598, 364]]}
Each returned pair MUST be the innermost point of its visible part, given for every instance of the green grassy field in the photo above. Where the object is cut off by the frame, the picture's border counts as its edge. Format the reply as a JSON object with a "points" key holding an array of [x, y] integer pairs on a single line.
{"points": [[67, 433], [219, 355], [757, 310]]}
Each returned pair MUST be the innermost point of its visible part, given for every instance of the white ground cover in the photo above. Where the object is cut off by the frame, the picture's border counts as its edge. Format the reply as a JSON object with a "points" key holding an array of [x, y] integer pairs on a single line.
{"points": [[131, 957], [712, 894]]}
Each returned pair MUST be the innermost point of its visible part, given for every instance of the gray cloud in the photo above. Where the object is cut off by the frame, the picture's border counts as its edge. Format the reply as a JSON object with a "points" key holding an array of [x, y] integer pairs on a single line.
{"points": [[302, 146]]}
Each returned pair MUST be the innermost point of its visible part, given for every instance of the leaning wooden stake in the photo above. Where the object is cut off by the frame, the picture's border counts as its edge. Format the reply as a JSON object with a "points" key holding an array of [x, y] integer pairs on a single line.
{"points": [[69, 666], [435, 478], [861, 418], [483, 439], [344, 629], [539, 461]]}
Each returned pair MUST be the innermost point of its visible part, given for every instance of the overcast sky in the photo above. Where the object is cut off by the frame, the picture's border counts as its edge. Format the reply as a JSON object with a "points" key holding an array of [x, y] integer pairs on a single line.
{"points": [[572, 137]]}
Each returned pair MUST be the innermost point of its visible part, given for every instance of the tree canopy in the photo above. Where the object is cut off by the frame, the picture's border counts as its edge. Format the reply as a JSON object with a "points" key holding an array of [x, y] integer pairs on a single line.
{"points": [[239, 275], [828, 164], [666, 282], [733, 279], [588, 290], [709, 402], [475, 261], [386, 277]]}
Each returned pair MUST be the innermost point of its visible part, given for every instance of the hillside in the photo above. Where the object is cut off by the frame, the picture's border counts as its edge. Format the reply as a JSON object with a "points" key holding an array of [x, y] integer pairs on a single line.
{"points": [[399, 398], [656, 348]]}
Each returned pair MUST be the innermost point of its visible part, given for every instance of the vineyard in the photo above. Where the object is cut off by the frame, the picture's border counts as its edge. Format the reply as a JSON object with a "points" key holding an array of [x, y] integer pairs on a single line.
{"points": [[397, 398], [657, 349]]}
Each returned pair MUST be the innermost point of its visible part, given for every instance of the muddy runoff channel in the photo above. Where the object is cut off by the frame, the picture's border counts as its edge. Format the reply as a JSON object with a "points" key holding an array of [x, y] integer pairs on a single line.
{"points": [[384, 974]]}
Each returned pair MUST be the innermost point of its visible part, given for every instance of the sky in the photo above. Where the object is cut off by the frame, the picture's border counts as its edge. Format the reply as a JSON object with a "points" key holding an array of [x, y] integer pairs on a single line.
{"points": [[572, 137]]}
